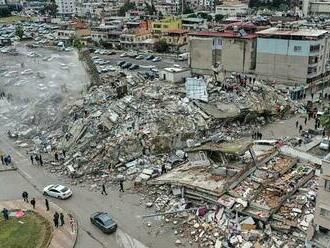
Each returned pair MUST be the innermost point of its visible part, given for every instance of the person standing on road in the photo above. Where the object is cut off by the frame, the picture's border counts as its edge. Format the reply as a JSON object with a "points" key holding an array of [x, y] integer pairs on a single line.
{"points": [[103, 190], [47, 204], [25, 196], [31, 157], [37, 159], [121, 186], [300, 128], [40, 160], [56, 156], [2, 159], [297, 123], [62, 219], [71, 221], [312, 95], [33, 203], [56, 216], [63, 152], [305, 121]]}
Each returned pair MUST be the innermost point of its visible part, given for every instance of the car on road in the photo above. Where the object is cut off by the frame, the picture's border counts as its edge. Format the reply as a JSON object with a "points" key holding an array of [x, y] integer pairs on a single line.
{"points": [[156, 59], [150, 57], [126, 65], [324, 145], [139, 57], [133, 67], [57, 191], [120, 63], [104, 222]]}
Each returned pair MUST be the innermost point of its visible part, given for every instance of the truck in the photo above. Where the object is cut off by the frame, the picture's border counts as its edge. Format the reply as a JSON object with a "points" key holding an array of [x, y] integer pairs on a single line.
{"points": [[183, 56]]}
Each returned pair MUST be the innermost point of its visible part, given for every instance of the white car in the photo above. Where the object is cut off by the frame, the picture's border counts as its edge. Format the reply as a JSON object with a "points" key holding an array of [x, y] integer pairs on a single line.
{"points": [[324, 145], [57, 191]]}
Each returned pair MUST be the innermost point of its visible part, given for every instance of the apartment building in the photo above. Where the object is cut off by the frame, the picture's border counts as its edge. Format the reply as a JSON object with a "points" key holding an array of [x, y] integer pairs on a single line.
{"points": [[168, 23], [318, 233], [231, 9], [138, 39], [315, 7], [176, 39], [65, 7], [234, 49], [292, 56]]}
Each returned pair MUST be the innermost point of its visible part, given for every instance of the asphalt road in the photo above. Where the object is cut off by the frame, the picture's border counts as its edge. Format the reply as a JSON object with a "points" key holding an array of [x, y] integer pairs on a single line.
{"points": [[124, 207]]}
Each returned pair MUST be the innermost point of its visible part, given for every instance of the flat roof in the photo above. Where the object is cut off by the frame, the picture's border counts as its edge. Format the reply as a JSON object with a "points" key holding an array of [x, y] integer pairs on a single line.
{"points": [[225, 34], [299, 32]]}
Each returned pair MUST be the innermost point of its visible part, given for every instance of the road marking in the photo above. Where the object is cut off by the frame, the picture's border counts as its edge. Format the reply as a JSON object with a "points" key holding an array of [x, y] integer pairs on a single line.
{"points": [[26, 174]]}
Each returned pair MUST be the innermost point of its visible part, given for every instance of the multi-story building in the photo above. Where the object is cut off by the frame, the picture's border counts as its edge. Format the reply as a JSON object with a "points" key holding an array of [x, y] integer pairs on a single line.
{"points": [[176, 39], [234, 49], [168, 23], [315, 7], [231, 9], [65, 7], [194, 24], [167, 9], [292, 56], [318, 233], [138, 39]]}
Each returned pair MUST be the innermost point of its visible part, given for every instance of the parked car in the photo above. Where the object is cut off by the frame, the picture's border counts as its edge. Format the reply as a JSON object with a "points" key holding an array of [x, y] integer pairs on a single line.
{"points": [[156, 59], [150, 57], [324, 145], [120, 63], [133, 67], [57, 191], [104, 222], [139, 57], [126, 65], [123, 55]]}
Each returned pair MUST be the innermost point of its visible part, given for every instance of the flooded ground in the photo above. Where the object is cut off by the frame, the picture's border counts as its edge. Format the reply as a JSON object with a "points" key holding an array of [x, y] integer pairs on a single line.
{"points": [[36, 83]]}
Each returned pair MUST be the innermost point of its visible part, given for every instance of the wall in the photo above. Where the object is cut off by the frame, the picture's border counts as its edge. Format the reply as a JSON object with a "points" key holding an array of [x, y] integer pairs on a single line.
{"points": [[175, 77], [201, 55]]}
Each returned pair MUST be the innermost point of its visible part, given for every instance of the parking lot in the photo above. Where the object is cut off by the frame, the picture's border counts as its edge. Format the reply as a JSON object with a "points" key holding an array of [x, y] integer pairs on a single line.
{"points": [[109, 62]]}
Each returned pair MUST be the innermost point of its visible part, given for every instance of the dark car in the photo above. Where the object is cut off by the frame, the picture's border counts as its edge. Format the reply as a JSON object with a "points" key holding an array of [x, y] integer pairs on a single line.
{"points": [[150, 57], [120, 63], [133, 67], [126, 65], [104, 221]]}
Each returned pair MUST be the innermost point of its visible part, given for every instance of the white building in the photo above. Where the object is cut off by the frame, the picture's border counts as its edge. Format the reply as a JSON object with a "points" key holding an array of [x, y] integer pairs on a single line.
{"points": [[316, 7], [65, 7], [2, 2], [175, 75], [231, 9]]}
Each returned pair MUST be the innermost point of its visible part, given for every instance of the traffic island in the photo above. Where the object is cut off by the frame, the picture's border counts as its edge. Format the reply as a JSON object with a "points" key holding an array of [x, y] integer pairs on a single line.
{"points": [[34, 228]]}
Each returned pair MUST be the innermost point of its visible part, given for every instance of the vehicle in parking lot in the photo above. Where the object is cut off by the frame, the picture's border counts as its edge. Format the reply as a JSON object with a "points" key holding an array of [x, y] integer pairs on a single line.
{"points": [[133, 67], [139, 57], [120, 63], [150, 57], [57, 191], [123, 55], [156, 59], [126, 65], [104, 222]]}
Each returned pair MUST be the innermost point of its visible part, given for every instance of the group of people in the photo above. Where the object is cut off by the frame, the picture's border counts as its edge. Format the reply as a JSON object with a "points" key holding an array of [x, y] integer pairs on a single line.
{"points": [[257, 135], [121, 188], [57, 156], [6, 159], [58, 218], [36, 160]]}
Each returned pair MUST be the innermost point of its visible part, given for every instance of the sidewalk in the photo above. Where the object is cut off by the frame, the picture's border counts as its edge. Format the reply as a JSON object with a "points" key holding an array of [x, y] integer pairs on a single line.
{"points": [[62, 237]]}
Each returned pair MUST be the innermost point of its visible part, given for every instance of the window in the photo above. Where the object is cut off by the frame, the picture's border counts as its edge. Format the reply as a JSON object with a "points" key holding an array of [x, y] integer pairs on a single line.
{"points": [[314, 48], [297, 48], [325, 213], [327, 185]]}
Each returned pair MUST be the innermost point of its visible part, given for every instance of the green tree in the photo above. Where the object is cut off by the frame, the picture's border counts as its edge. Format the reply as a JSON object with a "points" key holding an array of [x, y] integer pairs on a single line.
{"points": [[19, 31], [218, 17], [325, 121], [77, 44], [4, 12], [126, 7], [161, 46], [150, 9]]}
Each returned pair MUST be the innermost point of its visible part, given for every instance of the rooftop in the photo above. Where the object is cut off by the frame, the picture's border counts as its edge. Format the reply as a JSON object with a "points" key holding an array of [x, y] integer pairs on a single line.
{"points": [[226, 34], [290, 32]]}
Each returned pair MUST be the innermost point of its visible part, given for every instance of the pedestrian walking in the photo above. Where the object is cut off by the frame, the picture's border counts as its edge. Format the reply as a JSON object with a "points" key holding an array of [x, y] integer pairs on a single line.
{"points": [[36, 157], [300, 128], [62, 219], [260, 136], [103, 190], [71, 221], [55, 219], [323, 133], [56, 156], [63, 152], [163, 169], [2, 159], [33, 203], [121, 186], [312, 95], [297, 123], [41, 161], [25, 196], [5, 213], [31, 157], [305, 121], [47, 204]]}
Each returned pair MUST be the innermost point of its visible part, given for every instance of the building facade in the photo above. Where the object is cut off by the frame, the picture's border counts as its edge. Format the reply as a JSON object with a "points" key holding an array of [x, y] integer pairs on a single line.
{"points": [[169, 23], [315, 7], [65, 7], [292, 57], [231, 9]]}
